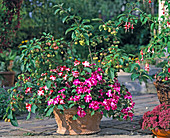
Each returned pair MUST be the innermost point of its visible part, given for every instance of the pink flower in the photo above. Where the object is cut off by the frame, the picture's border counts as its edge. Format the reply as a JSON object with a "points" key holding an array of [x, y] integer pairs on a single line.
{"points": [[28, 107], [67, 69], [61, 101], [142, 58], [127, 96], [60, 73], [56, 100], [65, 77], [52, 77], [50, 102], [62, 90], [76, 63], [79, 90], [109, 93], [129, 25], [113, 105], [126, 27], [81, 113], [141, 52], [99, 77], [168, 70], [63, 95], [62, 68], [86, 64], [147, 67], [94, 105], [138, 61], [132, 28], [75, 73], [51, 91], [43, 74], [152, 50], [28, 90], [40, 92], [166, 78], [76, 82], [76, 98], [67, 85], [87, 98], [45, 87]]}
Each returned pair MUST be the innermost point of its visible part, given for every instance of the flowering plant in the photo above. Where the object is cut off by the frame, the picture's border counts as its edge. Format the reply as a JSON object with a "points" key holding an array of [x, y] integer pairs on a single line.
{"points": [[158, 118], [164, 75], [82, 85]]}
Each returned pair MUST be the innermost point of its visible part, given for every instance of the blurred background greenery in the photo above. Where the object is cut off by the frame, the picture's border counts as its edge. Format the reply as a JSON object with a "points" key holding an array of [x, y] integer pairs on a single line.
{"points": [[38, 17]]}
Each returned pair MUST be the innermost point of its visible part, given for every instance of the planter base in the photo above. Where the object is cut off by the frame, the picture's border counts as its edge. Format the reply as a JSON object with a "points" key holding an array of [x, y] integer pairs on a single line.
{"points": [[85, 125], [8, 79], [161, 133]]}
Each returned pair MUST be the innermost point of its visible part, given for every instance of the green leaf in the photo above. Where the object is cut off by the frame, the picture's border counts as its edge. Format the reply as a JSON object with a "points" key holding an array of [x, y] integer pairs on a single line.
{"points": [[75, 117], [29, 84], [121, 15], [60, 107], [23, 46], [92, 113], [145, 20], [70, 79], [134, 76], [152, 26], [111, 73], [121, 61], [97, 19], [50, 111], [48, 84], [71, 105], [69, 29], [86, 37], [73, 36], [132, 67], [65, 19], [83, 106], [10, 116], [29, 115], [33, 108], [14, 122], [88, 70], [85, 21], [57, 11]]}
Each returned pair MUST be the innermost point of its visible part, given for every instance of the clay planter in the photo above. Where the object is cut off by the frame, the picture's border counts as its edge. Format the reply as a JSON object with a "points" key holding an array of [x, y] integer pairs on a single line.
{"points": [[8, 80], [161, 133], [85, 125], [163, 92]]}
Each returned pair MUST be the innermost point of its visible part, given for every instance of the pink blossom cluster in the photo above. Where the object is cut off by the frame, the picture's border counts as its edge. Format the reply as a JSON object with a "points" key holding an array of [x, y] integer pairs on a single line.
{"points": [[128, 26], [79, 86], [158, 118]]}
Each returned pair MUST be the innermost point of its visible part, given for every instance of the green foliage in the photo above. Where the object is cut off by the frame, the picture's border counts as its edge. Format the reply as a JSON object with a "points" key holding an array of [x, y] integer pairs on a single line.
{"points": [[41, 18], [7, 58], [4, 96]]}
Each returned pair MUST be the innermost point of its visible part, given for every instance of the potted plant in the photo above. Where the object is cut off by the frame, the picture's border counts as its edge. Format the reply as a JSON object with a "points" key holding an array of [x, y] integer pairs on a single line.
{"points": [[73, 90], [162, 83], [6, 67], [158, 120]]}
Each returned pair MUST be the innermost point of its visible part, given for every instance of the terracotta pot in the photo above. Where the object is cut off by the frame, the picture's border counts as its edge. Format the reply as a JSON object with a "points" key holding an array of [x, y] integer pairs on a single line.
{"points": [[163, 92], [8, 80], [85, 125], [161, 133]]}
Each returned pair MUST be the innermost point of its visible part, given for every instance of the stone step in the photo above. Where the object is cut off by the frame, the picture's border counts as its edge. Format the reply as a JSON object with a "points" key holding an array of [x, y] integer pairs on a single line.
{"points": [[134, 86]]}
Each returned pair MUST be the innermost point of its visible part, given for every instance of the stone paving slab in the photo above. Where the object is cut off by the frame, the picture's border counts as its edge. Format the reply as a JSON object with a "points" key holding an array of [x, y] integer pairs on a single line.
{"points": [[95, 136], [46, 128]]}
